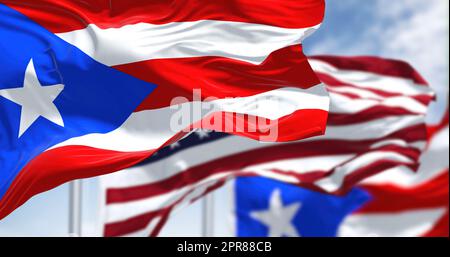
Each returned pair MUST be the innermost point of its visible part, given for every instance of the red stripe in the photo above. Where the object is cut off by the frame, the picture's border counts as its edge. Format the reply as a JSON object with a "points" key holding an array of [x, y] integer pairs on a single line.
{"points": [[241, 160], [297, 125], [162, 222], [349, 180], [369, 114], [221, 77], [392, 198], [141, 221], [346, 94], [67, 15], [134, 224], [333, 83], [60, 165], [371, 170], [423, 99], [388, 67], [307, 180], [441, 228]]}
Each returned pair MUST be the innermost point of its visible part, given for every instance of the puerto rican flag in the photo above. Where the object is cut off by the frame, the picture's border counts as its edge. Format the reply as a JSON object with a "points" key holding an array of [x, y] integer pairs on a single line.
{"points": [[87, 87]]}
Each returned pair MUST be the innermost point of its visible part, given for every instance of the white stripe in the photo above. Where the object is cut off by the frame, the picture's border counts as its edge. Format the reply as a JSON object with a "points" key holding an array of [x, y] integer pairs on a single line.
{"points": [[122, 211], [143, 41], [344, 104], [335, 181], [403, 224], [362, 93], [201, 189], [432, 163], [419, 145], [147, 130], [371, 80], [372, 129], [146, 231], [302, 165]]}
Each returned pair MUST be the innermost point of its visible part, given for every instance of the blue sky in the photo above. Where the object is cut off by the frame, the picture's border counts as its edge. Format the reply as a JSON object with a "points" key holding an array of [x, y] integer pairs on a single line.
{"points": [[412, 30]]}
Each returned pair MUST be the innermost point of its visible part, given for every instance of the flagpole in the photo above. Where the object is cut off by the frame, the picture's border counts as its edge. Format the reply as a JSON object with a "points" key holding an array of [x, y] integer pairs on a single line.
{"points": [[208, 215], [75, 208]]}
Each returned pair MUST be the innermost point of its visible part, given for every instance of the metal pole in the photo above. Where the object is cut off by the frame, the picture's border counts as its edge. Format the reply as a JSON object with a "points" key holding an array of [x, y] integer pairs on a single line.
{"points": [[208, 215], [75, 208]]}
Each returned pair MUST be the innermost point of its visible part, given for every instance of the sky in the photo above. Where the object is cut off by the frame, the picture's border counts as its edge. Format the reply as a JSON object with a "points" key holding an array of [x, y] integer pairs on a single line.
{"points": [[415, 31]]}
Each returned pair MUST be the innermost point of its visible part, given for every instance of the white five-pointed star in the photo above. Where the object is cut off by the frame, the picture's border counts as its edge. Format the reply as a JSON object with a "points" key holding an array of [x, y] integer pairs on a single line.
{"points": [[202, 133], [278, 218], [174, 145], [36, 100]]}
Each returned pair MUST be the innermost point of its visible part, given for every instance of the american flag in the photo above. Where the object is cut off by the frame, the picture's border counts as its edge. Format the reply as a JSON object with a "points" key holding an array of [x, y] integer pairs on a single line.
{"points": [[112, 75], [376, 123]]}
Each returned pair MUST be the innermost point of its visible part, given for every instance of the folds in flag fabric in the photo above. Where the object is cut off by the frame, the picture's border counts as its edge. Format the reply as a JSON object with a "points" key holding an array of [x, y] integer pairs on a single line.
{"points": [[376, 122], [396, 202], [405, 204], [92, 87]]}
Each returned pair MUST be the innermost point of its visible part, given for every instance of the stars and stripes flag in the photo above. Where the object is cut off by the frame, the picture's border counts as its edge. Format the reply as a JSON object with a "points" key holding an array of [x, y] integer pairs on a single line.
{"points": [[397, 202], [376, 122], [92, 87]]}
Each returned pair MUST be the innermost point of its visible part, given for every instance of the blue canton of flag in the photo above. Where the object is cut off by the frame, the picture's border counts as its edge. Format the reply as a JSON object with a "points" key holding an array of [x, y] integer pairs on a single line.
{"points": [[51, 91], [265, 207]]}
